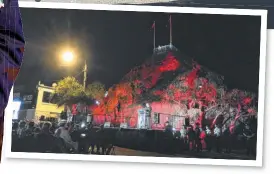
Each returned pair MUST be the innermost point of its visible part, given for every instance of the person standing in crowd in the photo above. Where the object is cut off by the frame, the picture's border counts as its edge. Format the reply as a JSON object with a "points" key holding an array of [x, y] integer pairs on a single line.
{"points": [[168, 127], [30, 128], [36, 132], [217, 135], [183, 132], [191, 138], [11, 53], [208, 138], [168, 134], [22, 129], [226, 139], [248, 135], [63, 133], [197, 140], [47, 143], [15, 127]]}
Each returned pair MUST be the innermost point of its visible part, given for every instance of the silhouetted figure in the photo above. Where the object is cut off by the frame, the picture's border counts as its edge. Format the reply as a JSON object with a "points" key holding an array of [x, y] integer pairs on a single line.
{"points": [[227, 139], [36, 132], [30, 129], [168, 144], [101, 140], [168, 127], [15, 137], [197, 140], [191, 138], [184, 132], [15, 127], [21, 130], [63, 132], [217, 135], [47, 143], [92, 137], [249, 138], [208, 138]]}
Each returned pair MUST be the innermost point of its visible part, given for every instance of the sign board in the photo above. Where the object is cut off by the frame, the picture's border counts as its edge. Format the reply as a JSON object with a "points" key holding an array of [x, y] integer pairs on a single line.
{"points": [[89, 118], [123, 125], [141, 119], [27, 98], [144, 118], [107, 125], [16, 95]]}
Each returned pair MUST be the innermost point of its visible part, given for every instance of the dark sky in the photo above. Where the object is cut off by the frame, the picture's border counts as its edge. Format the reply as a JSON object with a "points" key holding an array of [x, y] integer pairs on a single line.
{"points": [[114, 42]]}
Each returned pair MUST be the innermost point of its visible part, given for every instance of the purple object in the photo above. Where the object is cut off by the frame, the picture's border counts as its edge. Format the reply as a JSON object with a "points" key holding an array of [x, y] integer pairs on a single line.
{"points": [[11, 49]]}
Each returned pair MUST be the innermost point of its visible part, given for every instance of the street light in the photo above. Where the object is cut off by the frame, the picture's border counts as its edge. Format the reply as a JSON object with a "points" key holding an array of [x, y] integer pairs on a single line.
{"points": [[68, 57]]}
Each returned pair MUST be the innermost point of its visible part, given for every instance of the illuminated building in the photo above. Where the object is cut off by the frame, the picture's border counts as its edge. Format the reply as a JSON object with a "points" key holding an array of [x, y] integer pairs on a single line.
{"points": [[37, 103]]}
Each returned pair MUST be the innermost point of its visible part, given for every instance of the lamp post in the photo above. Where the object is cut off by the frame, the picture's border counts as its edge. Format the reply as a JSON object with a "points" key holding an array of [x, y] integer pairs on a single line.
{"points": [[85, 75], [68, 58]]}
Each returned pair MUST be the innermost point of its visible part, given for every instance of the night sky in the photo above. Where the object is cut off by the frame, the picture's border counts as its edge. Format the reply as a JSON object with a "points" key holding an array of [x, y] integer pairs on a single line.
{"points": [[114, 42]]}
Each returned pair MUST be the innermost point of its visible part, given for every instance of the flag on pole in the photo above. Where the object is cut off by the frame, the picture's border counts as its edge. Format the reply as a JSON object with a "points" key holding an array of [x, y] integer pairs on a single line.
{"points": [[153, 25]]}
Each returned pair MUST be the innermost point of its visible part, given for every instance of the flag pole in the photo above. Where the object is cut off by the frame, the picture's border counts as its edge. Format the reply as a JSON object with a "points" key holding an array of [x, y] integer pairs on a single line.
{"points": [[170, 30], [154, 35]]}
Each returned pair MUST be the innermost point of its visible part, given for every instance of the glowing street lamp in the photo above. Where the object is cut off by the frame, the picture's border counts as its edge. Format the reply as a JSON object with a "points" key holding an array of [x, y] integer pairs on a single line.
{"points": [[68, 56]]}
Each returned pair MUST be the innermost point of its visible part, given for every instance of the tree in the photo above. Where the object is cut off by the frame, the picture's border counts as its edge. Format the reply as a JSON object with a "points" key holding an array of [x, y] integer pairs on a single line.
{"points": [[96, 90], [69, 91]]}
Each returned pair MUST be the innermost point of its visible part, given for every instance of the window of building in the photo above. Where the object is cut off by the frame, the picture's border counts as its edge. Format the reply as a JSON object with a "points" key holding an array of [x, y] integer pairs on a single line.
{"points": [[47, 97]]}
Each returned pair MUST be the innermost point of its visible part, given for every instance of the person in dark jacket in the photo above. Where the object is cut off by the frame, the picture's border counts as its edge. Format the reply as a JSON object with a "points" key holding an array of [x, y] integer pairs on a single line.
{"points": [[197, 140], [12, 45]]}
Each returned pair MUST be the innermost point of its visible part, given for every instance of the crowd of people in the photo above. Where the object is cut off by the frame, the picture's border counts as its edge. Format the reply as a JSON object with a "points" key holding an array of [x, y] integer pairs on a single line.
{"points": [[47, 137], [219, 138], [63, 137]]}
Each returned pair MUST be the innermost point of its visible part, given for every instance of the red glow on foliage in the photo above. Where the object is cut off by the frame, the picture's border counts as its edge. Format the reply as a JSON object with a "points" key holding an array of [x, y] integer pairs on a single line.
{"points": [[74, 109], [203, 135], [251, 110], [232, 125], [200, 118], [247, 100], [186, 90], [158, 92], [170, 63], [152, 79], [190, 79]]}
